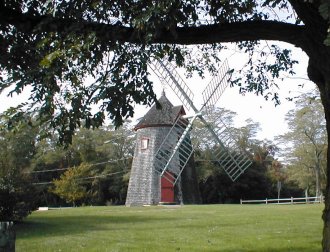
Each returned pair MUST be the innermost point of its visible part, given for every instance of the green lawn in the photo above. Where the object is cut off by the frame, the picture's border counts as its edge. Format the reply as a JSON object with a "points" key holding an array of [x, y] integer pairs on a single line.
{"points": [[228, 228]]}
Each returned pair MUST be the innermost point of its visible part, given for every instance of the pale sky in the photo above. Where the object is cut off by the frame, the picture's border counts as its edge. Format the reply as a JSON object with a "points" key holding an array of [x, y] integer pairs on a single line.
{"points": [[271, 118]]}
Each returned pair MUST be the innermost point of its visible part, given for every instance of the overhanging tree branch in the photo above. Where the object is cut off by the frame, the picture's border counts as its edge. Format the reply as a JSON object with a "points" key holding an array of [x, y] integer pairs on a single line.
{"points": [[204, 34], [241, 31]]}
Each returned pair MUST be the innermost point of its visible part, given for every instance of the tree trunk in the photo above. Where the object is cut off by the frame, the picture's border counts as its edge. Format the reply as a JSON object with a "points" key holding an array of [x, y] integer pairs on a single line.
{"points": [[325, 96], [319, 73], [326, 211]]}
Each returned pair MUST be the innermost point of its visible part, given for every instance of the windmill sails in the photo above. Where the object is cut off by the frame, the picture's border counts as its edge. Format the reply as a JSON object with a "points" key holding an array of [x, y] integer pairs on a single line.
{"points": [[176, 149]]}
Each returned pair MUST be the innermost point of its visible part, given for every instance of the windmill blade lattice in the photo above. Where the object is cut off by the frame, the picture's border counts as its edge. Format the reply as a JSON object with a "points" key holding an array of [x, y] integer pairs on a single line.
{"points": [[167, 74], [233, 162], [227, 153], [169, 156], [216, 87], [171, 159]]}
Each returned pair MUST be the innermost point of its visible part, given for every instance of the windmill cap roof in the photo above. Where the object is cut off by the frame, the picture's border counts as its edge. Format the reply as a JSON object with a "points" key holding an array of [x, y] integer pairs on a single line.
{"points": [[164, 116]]}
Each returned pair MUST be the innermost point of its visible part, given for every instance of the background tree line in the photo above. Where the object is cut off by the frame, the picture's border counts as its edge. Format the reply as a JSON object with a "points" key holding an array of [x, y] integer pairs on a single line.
{"points": [[94, 170]]}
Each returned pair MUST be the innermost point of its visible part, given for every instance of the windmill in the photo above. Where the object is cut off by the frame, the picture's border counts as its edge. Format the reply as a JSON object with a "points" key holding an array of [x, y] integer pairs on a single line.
{"points": [[171, 158], [145, 186]]}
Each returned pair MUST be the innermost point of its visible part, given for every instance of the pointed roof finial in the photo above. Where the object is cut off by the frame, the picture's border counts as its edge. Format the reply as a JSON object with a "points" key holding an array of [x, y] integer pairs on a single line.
{"points": [[163, 92]]}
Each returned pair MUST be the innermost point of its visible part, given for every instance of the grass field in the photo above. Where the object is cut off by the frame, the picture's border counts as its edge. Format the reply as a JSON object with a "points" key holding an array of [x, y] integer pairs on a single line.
{"points": [[228, 228]]}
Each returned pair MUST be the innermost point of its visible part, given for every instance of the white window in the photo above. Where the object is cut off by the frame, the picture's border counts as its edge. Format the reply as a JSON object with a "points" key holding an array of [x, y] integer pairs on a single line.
{"points": [[144, 143]]}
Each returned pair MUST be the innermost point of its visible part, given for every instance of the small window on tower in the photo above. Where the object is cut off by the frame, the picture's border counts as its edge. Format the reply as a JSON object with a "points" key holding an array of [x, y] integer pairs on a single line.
{"points": [[144, 143]]}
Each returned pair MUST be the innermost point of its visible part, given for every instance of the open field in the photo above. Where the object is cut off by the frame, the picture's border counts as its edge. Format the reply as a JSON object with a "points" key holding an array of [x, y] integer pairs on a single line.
{"points": [[228, 228]]}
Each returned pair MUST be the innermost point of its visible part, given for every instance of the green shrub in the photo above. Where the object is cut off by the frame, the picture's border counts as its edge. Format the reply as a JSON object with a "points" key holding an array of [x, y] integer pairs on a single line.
{"points": [[17, 197]]}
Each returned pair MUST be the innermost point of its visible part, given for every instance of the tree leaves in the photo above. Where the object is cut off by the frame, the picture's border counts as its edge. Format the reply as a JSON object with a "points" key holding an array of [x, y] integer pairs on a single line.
{"points": [[17, 147], [63, 44], [69, 187], [266, 63], [307, 144]]}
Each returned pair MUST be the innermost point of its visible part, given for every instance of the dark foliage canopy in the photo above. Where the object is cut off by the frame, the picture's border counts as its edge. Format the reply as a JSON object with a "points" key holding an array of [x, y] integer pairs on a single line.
{"points": [[73, 55]]}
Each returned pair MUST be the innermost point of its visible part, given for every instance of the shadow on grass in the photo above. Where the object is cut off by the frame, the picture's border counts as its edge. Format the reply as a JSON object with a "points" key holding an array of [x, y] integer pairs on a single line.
{"points": [[65, 225]]}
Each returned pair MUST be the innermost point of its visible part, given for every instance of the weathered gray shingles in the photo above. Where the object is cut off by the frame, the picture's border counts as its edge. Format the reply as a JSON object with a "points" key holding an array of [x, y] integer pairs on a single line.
{"points": [[164, 116]]}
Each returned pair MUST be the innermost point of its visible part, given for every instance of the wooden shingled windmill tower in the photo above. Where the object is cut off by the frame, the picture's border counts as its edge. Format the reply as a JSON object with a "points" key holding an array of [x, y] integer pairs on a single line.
{"points": [[146, 187], [162, 168]]}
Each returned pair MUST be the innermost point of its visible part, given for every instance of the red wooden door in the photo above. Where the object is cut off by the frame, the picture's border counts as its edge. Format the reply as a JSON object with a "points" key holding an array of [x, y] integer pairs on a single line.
{"points": [[167, 188]]}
